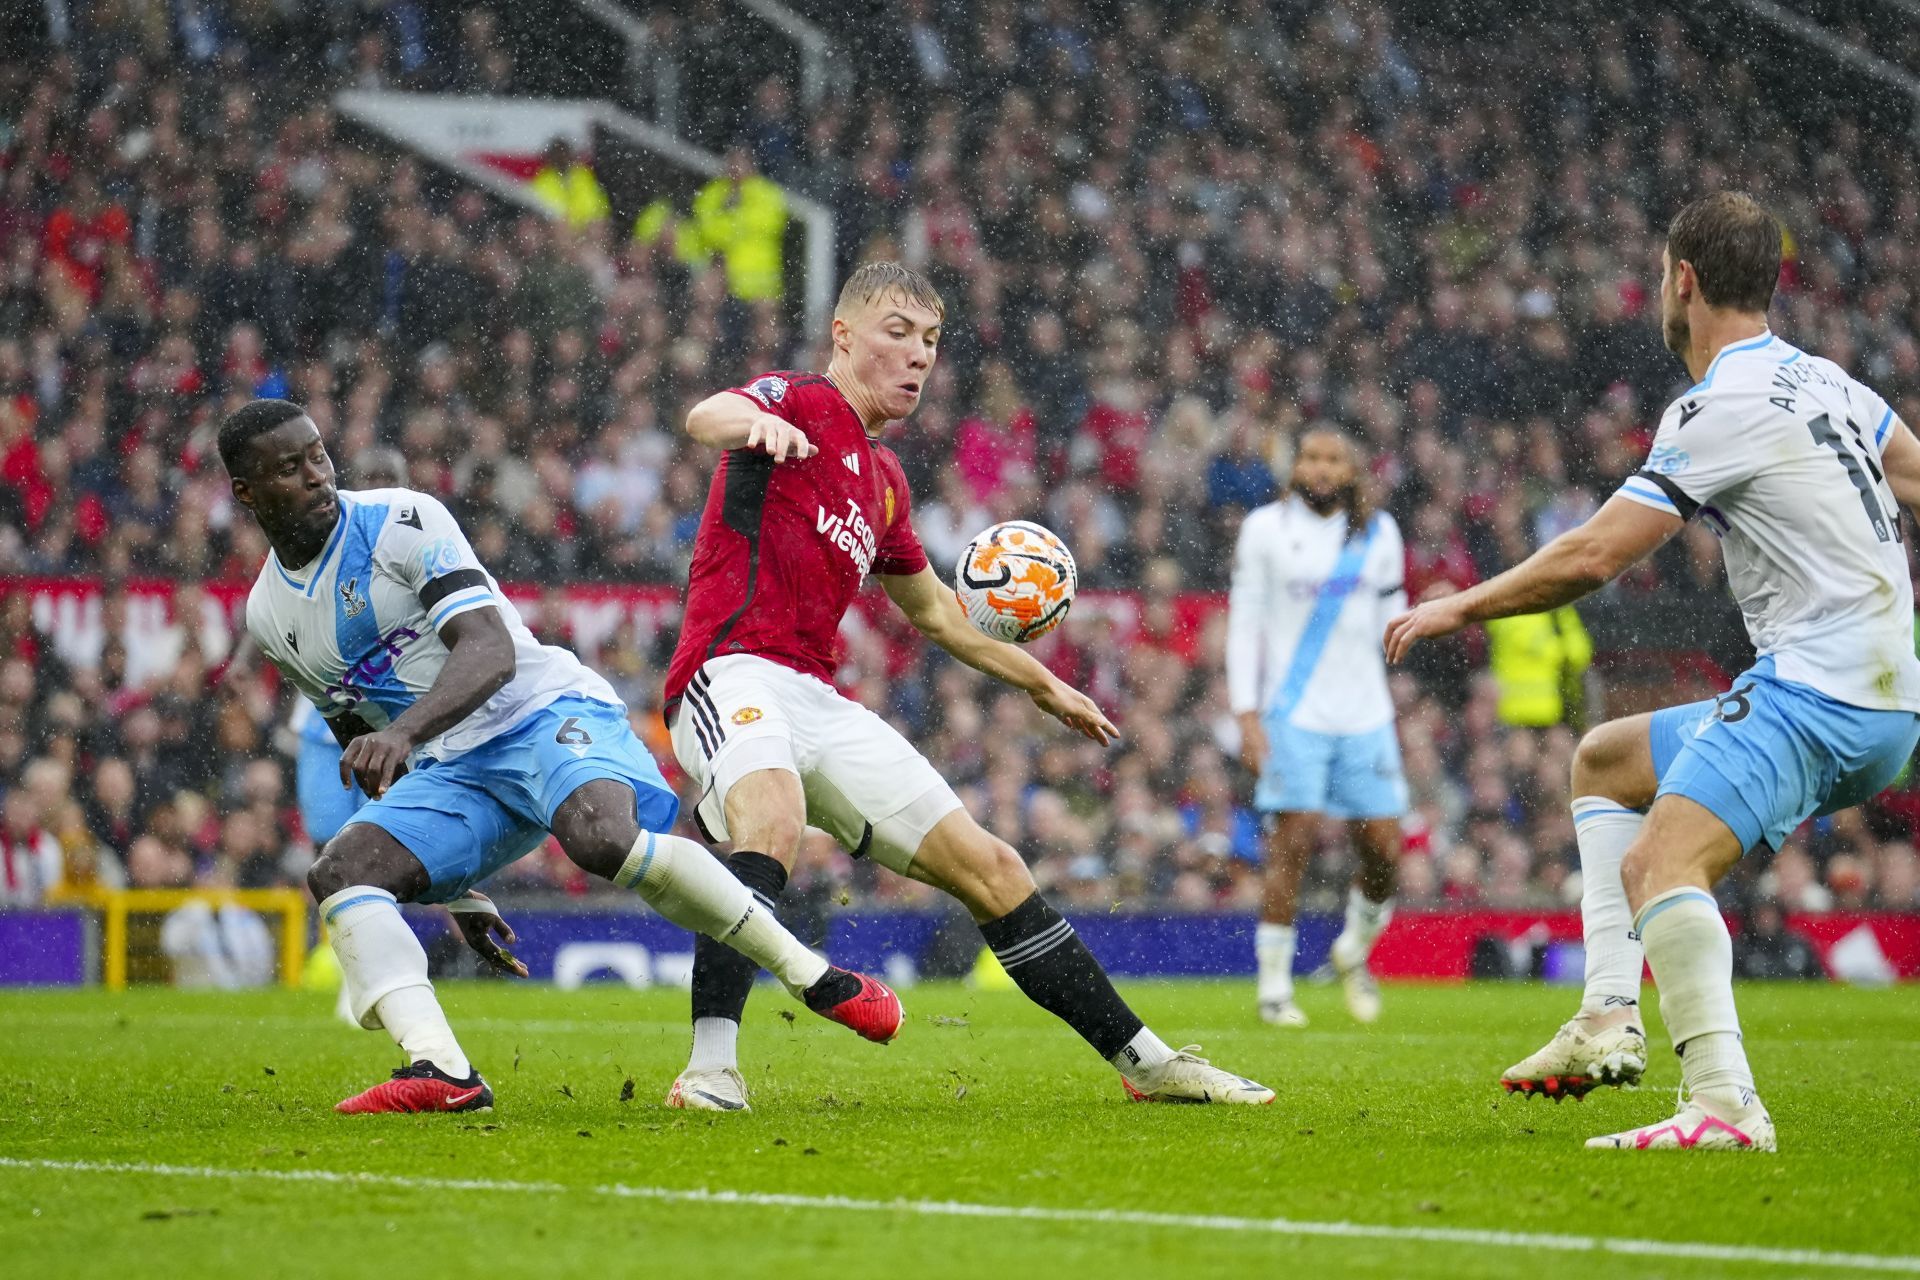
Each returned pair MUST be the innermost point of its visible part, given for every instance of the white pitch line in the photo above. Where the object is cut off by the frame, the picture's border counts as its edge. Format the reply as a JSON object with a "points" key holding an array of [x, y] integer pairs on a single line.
{"points": [[1699, 1250], [617, 1022]]}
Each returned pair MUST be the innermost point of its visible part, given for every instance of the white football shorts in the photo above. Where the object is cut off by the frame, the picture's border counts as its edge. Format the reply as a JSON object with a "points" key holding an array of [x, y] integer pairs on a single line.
{"points": [[866, 785]]}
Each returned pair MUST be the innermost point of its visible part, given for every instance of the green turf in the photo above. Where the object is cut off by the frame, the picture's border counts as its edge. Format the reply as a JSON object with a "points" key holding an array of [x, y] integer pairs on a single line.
{"points": [[983, 1099]]}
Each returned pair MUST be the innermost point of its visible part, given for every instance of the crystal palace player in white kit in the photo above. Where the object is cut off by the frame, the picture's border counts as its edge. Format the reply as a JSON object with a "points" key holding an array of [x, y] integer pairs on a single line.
{"points": [[474, 741], [805, 504], [1796, 466], [1316, 575]]}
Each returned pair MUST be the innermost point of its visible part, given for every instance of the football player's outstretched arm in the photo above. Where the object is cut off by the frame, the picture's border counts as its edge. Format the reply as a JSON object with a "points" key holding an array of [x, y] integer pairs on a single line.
{"points": [[729, 420], [930, 606], [1901, 459], [480, 661], [1620, 534]]}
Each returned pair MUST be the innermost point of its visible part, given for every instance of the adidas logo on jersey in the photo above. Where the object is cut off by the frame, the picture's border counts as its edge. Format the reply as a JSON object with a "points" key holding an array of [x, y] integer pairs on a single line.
{"points": [[853, 462]]}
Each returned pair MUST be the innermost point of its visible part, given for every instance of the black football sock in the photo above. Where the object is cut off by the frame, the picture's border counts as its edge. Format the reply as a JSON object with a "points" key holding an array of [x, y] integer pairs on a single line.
{"points": [[1041, 952], [722, 977]]}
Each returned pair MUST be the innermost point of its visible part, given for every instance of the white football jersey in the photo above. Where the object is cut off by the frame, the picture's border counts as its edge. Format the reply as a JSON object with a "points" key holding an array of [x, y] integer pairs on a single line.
{"points": [[1306, 617], [1779, 452], [358, 629]]}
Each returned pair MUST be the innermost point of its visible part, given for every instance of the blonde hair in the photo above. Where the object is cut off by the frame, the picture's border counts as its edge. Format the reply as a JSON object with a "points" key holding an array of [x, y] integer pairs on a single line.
{"points": [[873, 280]]}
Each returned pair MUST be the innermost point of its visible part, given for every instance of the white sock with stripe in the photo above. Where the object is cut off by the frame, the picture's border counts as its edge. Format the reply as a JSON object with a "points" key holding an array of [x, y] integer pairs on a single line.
{"points": [[1273, 947], [1692, 958], [384, 969], [689, 886], [1604, 829]]}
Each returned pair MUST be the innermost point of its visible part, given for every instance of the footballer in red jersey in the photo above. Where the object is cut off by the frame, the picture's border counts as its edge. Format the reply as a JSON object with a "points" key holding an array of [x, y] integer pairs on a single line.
{"points": [[804, 505], [785, 546]]}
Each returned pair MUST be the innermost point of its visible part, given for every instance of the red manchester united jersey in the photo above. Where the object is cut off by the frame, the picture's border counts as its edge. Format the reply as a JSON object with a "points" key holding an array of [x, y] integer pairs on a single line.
{"points": [[783, 547]]}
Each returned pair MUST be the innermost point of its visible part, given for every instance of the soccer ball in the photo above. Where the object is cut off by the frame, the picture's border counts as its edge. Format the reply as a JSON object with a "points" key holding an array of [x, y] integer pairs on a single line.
{"points": [[1015, 581]]}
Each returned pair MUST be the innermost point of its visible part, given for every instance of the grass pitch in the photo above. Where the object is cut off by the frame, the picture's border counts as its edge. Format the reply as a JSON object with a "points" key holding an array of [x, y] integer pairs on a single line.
{"points": [[191, 1134]]}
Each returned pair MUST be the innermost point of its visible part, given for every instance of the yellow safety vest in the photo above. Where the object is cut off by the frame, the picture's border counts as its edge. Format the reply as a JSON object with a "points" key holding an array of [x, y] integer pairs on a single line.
{"points": [[1532, 657], [574, 195], [749, 233]]}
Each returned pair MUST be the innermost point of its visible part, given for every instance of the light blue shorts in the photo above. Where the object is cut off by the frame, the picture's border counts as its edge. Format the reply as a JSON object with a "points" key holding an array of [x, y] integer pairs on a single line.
{"points": [[1343, 775], [1768, 754], [466, 818], [325, 805]]}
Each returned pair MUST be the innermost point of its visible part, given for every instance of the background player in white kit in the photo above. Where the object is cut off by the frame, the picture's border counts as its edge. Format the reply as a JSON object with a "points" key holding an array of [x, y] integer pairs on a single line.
{"points": [[474, 741], [1316, 575], [1796, 467]]}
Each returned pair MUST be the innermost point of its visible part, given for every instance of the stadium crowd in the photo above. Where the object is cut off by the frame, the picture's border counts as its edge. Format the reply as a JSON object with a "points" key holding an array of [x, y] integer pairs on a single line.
{"points": [[1165, 253]]}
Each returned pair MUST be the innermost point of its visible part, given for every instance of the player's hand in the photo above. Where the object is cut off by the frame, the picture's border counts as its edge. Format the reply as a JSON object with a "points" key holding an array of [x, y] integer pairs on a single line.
{"points": [[779, 439], [479, 923], [1075, 710], [1253, 742], [1425, 621], [376, 760]]}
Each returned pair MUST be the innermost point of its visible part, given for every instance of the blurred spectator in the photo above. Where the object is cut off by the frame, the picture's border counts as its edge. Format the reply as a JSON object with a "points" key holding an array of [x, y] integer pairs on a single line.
{"points": [[742, 217], [1767, 948], [566, 185], [31, 866], [1537, 660]]}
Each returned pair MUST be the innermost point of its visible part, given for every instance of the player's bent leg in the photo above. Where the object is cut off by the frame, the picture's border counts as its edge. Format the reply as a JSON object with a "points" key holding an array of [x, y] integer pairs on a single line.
{"points": [[1369, 911], [1605, 1042], [359, 880], [1367, 787], [1685, 848], [1615, 775], [598, 827], [765, 815], [1053, 967], [767, 812], [1289, 844]]}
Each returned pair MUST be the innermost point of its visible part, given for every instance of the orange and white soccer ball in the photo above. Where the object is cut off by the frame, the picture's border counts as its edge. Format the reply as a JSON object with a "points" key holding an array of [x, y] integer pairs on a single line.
{"points": [[1016, 581]]}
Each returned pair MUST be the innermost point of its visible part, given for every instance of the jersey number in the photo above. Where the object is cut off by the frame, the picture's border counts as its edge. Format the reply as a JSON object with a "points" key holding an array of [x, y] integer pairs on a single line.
{"points": [[1821, 428], [1733, 706], [572, 735]]}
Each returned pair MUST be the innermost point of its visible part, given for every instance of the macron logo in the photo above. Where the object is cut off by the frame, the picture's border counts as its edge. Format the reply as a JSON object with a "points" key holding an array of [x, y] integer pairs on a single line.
{"points": [[853, 462]]}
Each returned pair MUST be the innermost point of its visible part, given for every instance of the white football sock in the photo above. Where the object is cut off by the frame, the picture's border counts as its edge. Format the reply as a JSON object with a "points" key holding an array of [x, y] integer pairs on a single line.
{"points": [[1366, 921], [1604, 829], [1273, 946], [715, 1044], [414, 1019], [1692, 958], [1144, 1053], [384, 970], [690, 887]]}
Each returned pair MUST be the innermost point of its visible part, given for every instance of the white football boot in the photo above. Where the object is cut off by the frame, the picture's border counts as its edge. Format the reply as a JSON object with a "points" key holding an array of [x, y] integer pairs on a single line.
{"points": [[1361, 991], [1187, 1077], [1710, 1120], [1282, 1013], [709, 1089], [1579, 1059]]}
